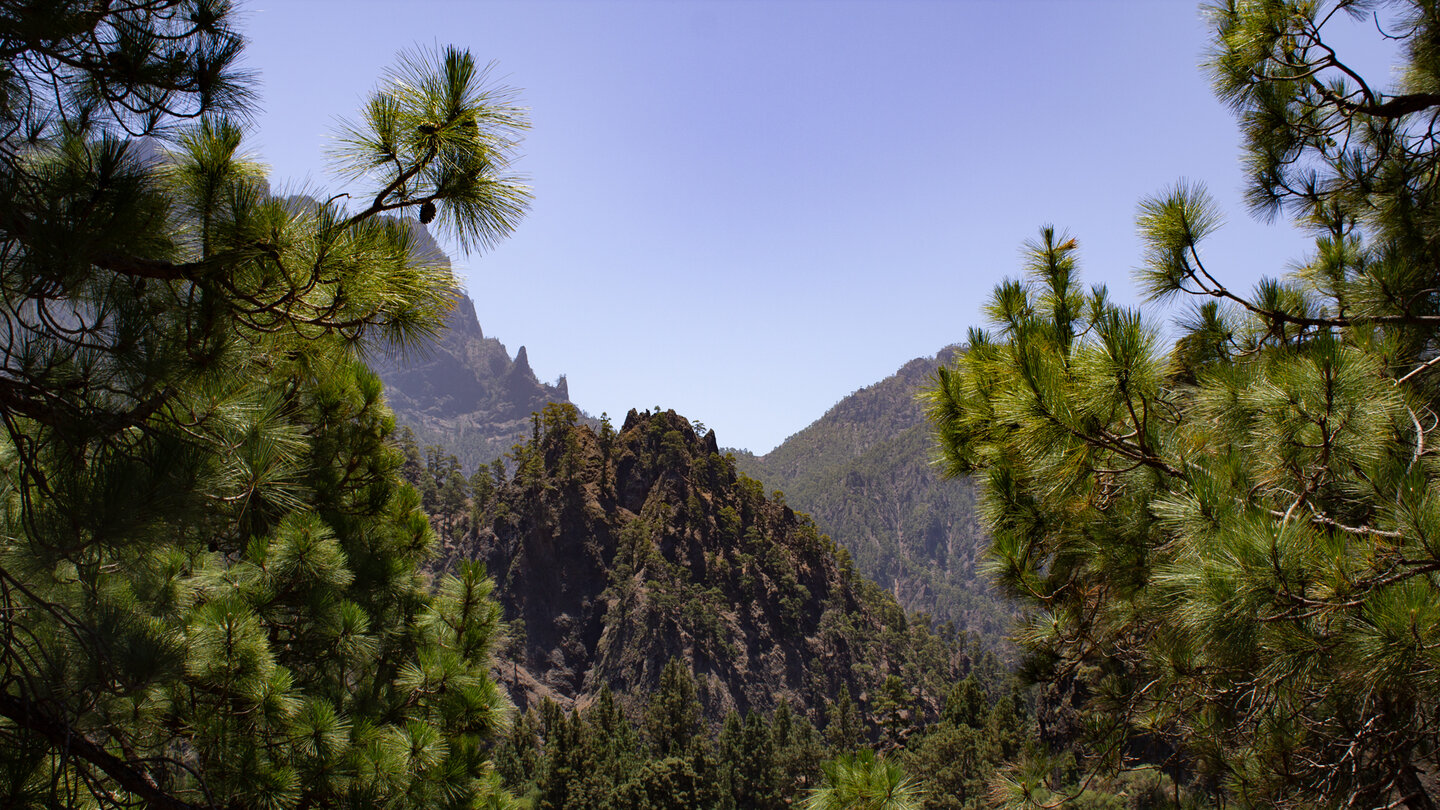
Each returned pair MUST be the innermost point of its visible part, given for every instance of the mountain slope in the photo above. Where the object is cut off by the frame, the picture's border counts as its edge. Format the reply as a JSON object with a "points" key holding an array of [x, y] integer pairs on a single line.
{"points": [[864, 472], [465, 394], [614, 552]]}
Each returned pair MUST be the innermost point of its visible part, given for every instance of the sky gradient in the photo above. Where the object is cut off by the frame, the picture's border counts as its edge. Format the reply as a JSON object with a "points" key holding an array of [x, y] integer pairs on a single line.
{"points": [[747, 210]]}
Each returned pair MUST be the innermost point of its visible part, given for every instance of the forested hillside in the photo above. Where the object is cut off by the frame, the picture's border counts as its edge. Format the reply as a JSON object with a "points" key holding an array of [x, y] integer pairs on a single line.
{"points": [[663, 754], [678, 638], [867, 472], [233, 578], [616, 551]]}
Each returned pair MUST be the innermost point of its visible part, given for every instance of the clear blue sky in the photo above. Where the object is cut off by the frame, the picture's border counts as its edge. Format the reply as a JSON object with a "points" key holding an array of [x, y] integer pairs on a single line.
{"points": [[747, 210]]}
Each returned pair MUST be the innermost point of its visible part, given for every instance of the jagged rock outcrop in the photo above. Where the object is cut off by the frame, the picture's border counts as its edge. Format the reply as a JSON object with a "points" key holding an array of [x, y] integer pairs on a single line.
{"points": [[464, 392], [615, 551]]}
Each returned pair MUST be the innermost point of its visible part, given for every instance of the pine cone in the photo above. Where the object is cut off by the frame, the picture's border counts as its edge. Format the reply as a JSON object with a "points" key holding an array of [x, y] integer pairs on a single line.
{"points": [[427, 213]]}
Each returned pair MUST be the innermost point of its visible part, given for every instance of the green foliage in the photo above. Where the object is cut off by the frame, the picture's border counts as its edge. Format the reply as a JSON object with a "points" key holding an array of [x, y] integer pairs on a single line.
{"points": [[843, 729], [439, 132], [672, 720], [956, 762], [864, 781], [965, 705], [750, 775], [209, 568], [601, 756], [519, 756], [798, 747], [653, 560], [592, 758], [958, 756], [663, 784], [1227, 551], [896, 711], [596, 758], [864, 471]]}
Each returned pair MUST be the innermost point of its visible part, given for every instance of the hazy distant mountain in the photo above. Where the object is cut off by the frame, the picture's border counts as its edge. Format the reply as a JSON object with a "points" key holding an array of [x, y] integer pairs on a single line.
{"points": [[865, 472], [465, 393], [613, 552]]}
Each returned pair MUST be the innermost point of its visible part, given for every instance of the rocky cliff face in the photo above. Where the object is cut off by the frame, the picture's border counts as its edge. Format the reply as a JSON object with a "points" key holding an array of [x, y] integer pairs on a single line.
{"points": [[865, 472], [615, 551], [465, 393]]}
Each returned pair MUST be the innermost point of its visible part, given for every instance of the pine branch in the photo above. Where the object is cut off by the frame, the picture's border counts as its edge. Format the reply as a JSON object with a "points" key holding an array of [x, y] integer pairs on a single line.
{"points": [[1396, 107], [130, 776]]}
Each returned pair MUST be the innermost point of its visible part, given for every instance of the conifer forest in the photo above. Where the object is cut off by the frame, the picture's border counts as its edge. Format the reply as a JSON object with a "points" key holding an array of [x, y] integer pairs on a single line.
{"points": [[281, 527]]}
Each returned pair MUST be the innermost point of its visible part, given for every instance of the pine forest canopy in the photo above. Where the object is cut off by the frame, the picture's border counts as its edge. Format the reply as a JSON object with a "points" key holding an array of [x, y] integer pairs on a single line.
{"points": [[209, 592], [1231, 550], [210, 571]]}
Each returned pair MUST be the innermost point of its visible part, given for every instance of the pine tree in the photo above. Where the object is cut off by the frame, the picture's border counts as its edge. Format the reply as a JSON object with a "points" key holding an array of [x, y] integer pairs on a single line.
{"points": [[894, 707], [209, 582], [957, 756], [844, 729], [519, 758], [663, 784], [730, 753], [798, 748], [672, 719], [956, 764], [1230, 550], [864, 781], [966, 704], [750, 775], [559, 782]]}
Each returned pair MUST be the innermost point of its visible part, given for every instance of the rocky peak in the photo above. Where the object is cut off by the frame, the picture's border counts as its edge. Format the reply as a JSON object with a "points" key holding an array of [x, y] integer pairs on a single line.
{"points": [[522, 364], [463, 320], [465, 393], [617, 551]]}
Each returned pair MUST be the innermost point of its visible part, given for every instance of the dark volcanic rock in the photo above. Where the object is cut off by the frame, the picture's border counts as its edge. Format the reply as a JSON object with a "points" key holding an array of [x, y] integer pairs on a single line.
{"points": [[614, 552]]}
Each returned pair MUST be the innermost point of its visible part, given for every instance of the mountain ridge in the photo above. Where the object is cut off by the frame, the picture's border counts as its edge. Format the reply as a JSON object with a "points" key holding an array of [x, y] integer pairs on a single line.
{"points": [[864, 471], [615, 551], [465, 393]]}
